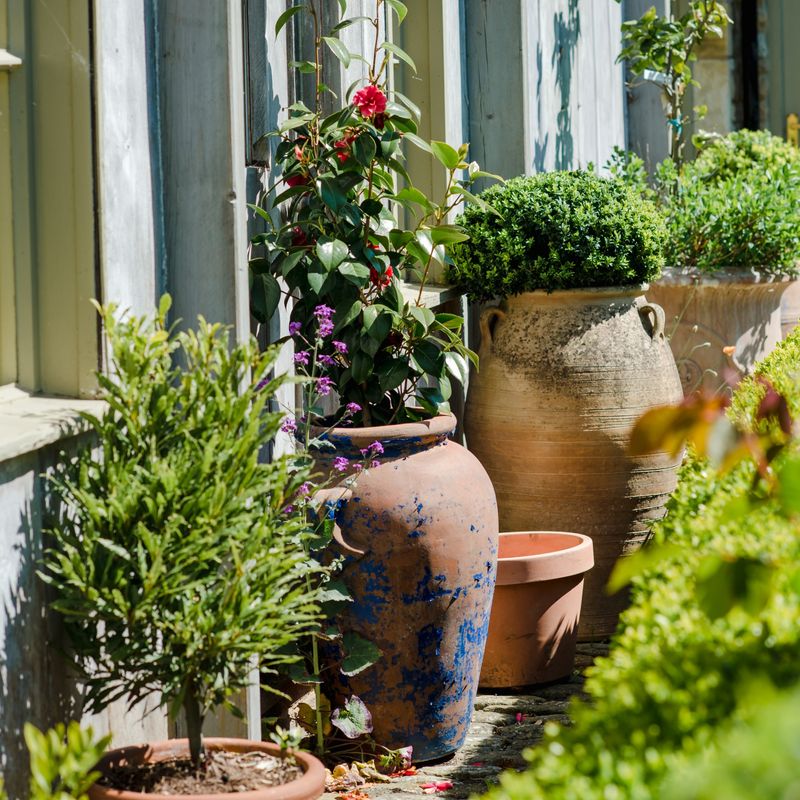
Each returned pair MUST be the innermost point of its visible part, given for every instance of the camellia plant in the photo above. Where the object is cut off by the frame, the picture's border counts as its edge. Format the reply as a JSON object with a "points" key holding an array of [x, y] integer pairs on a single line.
{"points": [[341, 247]]}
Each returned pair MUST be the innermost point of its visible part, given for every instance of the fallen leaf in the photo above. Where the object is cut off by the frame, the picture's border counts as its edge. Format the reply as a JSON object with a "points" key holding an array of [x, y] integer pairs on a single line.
{"points": [[519, 717], [401, 773]]}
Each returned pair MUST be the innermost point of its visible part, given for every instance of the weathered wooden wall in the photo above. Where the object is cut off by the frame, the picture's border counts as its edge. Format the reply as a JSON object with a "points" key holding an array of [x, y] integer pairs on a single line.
{"points": [[544, 89]]}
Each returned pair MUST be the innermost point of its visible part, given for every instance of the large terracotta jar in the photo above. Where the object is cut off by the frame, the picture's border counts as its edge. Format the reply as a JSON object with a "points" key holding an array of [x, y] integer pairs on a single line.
{"points": [[563, 377], [420, 535], [705, 313]]}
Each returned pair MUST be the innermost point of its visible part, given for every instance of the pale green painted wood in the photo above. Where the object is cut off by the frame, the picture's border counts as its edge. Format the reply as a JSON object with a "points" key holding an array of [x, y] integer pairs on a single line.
{"points": [[783, 26]]}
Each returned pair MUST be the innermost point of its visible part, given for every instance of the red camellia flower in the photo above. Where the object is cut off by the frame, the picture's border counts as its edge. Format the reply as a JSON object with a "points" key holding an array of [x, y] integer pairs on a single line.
{"points": [[343, 147], [296, 180], [299, 238], [370, 101], [381, 280]]}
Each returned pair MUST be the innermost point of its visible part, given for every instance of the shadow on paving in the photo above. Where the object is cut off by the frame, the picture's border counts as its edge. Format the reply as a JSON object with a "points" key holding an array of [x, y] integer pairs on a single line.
{"points": [[503, 725]]}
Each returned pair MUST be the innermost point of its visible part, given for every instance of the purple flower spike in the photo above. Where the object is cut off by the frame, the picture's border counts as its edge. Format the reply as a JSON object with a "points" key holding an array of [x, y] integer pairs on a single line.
{"points": [[304, 489], [288, 509], [341, 347], [289, 425], [328, 361], [301, 357], [324, 386], [294, 328], [325, 328], [261, 384], [375, 464], [376, 448], [323, 312], [340, 464], [353, 408]]}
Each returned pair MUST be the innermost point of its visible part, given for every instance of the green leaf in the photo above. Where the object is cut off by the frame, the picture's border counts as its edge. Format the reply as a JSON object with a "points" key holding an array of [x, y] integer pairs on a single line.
{"points": [[399, 9], [357, 274], [331, 194], [413, 195], [457, 366], [331, 254], [393, 375], [338, 49], [446, 154], [344, 318], [380, 328], [316, 280], [360, 653], [286, 16], [265, 294], [423, 315], [354, 719], [400, 53], [294, 122], [361, 367], [305, 67], [448, 234], [418, 142], [428, 356], [364, 149]]}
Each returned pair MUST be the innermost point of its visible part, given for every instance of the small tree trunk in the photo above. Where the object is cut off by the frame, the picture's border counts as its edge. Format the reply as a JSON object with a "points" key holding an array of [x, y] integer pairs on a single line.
{"points": [[194, 727]]}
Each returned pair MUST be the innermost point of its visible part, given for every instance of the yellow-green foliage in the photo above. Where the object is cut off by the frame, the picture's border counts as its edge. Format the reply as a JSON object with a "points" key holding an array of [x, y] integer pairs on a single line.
{"points": [[673, 674]]}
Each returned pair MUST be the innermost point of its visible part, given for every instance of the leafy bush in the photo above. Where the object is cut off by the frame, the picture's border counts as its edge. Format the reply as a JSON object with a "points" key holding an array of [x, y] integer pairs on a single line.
{"points": [[560, 230], [174, 562], [754, 758], [736, 206], [724, 156], [674, 672]]}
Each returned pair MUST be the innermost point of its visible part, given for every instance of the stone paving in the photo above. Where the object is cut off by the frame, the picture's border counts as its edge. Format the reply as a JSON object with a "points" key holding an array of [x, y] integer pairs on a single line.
{"points": [[502, 727]]}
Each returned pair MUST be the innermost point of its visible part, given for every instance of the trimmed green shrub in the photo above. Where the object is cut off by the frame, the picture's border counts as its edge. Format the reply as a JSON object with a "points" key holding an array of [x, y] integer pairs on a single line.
{"points": [[674, 674], [559, 230], [736, 206], [724, 157], [753, 759]]}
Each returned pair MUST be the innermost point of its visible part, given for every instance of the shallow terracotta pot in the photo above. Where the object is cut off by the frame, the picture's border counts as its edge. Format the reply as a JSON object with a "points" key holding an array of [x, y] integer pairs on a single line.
{"points": [[419, 534], [739, 308], [533, 629], [308, 787], [563, 377]]}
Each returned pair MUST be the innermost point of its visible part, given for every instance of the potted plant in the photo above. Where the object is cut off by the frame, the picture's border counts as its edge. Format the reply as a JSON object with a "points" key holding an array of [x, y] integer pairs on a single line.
{"points": [[734, 240], [174, 563], [569, 359], [419, 533]]}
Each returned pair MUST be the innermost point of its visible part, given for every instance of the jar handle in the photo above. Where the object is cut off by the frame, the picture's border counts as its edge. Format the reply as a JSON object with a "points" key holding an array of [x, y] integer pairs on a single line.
{"points": [[337, 495], [659, 319], [486, 320]]}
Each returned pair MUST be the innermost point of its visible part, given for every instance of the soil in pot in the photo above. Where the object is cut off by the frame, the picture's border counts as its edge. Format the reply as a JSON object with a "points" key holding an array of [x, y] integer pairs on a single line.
{"points": [[533, 628], [251, 770]]}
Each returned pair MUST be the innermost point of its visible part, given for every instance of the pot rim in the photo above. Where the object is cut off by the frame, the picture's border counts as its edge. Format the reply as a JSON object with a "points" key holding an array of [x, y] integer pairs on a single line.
{"points": [[563, 562], [310, 785], [437, 427], [589, 294], [721, 276]]}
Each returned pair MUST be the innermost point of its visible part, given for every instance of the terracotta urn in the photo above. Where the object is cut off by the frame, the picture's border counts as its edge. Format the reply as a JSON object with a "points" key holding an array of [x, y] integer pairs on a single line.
{"points": [[419, 535], [533, 629], [563, 377], [790, 308], [311, 785], [707, 312]]}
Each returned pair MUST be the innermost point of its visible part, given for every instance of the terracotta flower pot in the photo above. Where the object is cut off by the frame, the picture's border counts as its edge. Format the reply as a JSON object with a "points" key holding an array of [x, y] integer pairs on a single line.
{"points": [[705, 313], [563, 377], [419, 534], [533, 629], [309, 786]]}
